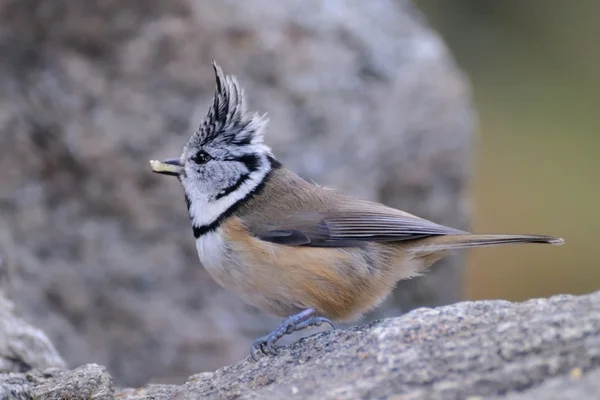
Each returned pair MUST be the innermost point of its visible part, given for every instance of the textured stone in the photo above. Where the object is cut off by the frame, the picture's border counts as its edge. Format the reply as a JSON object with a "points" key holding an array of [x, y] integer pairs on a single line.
{"points": [[539, 349], [362, 96], [575, 385], [88, 382]]}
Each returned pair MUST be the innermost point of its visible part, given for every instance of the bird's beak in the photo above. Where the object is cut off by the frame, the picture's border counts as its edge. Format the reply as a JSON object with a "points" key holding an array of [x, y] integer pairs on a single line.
{"points": [[171, 166]]}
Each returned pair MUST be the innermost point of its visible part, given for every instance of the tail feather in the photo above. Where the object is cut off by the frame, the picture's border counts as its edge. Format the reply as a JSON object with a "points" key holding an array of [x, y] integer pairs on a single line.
{"points": [[454, 242]]}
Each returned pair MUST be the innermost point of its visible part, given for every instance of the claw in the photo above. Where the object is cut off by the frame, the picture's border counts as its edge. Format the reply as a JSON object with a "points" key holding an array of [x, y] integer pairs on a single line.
{"points": [[257, 348], [316, 321], [253, 353], [264, 348], [265, 345], [272, 348], [297, 322]]}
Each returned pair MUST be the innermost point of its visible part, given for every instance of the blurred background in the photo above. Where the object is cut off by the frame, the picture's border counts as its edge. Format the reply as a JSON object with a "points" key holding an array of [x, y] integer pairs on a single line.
{"points": [[477, 114], [534, 69]]}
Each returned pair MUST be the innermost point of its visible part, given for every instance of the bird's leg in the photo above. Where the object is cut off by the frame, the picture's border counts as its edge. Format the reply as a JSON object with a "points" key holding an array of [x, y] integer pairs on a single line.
{"points": [[296, 322], [314, 321]]}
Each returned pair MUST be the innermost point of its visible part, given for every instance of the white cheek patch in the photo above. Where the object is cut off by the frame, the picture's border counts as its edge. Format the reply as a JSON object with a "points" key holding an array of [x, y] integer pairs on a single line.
{"points": [[203, 212]]}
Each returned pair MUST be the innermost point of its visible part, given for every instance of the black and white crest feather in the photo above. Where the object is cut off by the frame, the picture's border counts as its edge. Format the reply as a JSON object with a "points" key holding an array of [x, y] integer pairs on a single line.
{"points": [[225, 162], [228, 120]]}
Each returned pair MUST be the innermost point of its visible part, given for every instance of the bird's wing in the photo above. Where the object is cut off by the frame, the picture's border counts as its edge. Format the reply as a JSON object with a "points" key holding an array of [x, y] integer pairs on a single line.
{"points": [[347, 228]]}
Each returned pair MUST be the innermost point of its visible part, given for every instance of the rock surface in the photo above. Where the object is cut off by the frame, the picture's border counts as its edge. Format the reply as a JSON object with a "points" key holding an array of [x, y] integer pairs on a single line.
{"points": [[362, 95], [22, 346], [89, 382], [540, 349]]}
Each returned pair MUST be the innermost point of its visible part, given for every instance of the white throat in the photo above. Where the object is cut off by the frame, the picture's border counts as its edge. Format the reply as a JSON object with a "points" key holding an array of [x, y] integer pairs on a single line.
{"points": [[211, 249]]}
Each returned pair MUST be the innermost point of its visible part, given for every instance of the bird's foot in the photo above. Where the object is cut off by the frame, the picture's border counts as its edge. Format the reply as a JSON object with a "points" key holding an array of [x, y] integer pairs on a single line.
{"points": [[296, 322]]}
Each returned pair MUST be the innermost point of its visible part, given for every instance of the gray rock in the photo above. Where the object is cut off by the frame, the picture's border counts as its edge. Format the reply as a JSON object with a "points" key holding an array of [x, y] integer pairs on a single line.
{"points": [[88, 382], [22, 346], [362, 95], [539, 349], [487, 348], [573, 386]]}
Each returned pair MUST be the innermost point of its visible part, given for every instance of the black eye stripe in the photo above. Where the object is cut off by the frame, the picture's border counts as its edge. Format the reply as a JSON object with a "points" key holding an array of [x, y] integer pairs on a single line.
{"points": [[227, 191], [251, 161]]}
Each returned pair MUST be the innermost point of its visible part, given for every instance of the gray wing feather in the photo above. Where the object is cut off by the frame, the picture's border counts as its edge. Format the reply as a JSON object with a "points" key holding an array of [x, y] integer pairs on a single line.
{"points": [[348, 229], [289, 237]]}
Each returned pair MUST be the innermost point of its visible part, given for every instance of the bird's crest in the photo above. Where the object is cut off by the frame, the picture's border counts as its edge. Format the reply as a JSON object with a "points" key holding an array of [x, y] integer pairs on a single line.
{"points": [[228, 120]]}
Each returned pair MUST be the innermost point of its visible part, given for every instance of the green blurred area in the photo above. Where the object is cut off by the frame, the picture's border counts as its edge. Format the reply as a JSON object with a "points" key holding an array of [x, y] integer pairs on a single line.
{"points": [[534, 67]]}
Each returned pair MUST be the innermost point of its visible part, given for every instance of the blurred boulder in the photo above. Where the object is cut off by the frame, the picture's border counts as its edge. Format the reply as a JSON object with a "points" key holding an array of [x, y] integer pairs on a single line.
{"points": [[22, 346], [98, 251]]}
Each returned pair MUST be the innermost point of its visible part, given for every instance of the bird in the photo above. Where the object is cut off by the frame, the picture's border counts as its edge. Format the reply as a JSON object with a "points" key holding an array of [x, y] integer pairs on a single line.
{"points": [[308, 253]]}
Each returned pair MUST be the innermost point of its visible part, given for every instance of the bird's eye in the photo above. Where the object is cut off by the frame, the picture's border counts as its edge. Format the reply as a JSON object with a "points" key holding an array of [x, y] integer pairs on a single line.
{"points": [[201, 157]]}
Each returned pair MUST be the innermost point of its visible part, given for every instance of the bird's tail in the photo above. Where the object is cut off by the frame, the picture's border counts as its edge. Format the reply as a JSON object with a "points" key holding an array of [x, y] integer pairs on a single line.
{"points": [[463, 241]]}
